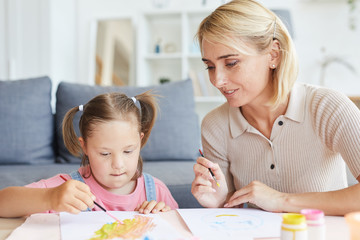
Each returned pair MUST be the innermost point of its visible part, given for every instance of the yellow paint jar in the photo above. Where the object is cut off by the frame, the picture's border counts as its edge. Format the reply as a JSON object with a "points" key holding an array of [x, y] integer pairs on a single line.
{"points": [[293, 227]]}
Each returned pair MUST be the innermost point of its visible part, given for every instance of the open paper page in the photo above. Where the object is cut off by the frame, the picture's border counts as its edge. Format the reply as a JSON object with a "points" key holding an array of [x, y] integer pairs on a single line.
{"points": [[136, 226], [231, 223], [40, 226]]}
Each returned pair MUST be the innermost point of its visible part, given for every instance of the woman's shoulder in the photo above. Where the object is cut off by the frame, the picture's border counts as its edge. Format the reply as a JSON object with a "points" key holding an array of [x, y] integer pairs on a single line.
{"points": [[217, 115], [326, 99], [320, 93], [329, 107]]}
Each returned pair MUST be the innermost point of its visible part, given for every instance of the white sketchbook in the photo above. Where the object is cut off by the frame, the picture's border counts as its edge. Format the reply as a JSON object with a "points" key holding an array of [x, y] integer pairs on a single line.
{"points": [[231, 223], [83, 225]]}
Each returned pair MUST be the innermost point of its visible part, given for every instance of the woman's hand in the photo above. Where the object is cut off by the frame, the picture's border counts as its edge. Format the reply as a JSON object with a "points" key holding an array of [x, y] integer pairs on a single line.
{"points": [[152, 207], [259, 194], [204, 187], [72, 196]]}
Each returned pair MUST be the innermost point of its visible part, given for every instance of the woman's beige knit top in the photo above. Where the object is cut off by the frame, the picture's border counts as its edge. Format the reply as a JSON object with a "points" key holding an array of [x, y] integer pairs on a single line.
{"points": [[307, 150]]}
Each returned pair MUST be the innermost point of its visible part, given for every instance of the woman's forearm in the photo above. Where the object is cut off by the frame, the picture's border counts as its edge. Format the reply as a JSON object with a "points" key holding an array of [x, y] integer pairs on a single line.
{"points": [[337, 202]]}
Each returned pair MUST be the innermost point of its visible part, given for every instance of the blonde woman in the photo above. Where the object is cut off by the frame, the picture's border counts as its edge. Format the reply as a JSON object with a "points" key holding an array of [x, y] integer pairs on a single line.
{"points": [[278, 145]]}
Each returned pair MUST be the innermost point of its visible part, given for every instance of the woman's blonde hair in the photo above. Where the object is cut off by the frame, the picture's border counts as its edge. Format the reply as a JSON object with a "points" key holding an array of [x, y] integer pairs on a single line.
{"points": [[246, 25], [109, 107]]}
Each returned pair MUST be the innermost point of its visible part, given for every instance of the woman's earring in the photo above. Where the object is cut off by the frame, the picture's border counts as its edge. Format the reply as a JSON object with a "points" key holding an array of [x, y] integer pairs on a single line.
{"points": [[273, 66]]}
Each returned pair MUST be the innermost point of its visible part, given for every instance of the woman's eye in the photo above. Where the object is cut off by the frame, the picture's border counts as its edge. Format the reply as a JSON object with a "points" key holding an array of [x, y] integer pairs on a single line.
{"points": [[128, 152], [232, 63], [105, 154], [209, 67]]}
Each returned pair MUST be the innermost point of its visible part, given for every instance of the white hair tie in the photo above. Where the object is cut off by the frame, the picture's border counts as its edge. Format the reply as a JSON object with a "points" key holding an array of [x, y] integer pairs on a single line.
{"points": [[81, 108], [134, 99]]}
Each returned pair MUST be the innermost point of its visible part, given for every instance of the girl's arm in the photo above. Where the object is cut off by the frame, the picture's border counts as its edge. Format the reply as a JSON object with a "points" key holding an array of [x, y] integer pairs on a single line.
{"points": [[22, 201], [72, 196], [337, 202]]}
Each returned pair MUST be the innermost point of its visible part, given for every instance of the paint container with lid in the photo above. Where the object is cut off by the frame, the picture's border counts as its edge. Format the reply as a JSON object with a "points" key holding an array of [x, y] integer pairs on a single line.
{"points": [[353, 221], [293, 227], [315, 223]]}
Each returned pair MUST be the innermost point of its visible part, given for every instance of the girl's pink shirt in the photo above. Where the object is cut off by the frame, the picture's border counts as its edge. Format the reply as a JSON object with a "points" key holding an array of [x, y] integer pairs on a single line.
{"points": [[111, 201]]}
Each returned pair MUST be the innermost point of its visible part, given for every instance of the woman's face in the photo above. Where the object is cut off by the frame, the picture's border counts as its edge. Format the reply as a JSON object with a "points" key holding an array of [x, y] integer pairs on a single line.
{"points": [[242, 79], [113, 149]]}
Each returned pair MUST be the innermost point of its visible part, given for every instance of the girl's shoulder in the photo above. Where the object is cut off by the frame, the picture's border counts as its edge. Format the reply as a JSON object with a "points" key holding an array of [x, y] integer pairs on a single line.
{"points": [[50, 182], [162, 192], [158, 183]]}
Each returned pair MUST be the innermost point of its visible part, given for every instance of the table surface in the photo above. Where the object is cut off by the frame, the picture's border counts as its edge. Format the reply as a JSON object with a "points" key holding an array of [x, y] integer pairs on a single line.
{"points": [[336, 227]]}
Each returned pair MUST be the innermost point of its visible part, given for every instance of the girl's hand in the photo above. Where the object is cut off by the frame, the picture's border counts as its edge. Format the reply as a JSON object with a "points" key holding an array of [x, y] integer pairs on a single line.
{"points": [[72, 196], [152, 207], [204, 188], [259, 194]]}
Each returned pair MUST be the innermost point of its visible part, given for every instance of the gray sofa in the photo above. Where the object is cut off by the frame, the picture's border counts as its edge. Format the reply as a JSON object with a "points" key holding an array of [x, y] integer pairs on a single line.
{"points": [[31, 145]]}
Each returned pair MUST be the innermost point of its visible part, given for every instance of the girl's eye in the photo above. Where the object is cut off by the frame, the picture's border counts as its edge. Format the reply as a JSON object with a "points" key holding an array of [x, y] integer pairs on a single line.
{"points": [[232, 63], [128, 152], [105, 154]]}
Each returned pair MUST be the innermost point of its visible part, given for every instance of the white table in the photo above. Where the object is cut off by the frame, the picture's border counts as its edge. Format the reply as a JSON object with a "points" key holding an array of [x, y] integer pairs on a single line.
{"points": [[336, 227]]}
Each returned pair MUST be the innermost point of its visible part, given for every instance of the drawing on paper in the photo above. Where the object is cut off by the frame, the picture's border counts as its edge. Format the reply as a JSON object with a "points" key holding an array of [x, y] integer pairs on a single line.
{"points": [[131, 229], [137, 226], [233, 222], [230, 223]]}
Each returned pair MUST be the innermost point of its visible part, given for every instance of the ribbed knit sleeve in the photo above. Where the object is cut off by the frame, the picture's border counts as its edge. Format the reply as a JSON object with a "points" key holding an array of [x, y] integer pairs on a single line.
{"points": [[337, 123], [214, 137], [306, 152]]}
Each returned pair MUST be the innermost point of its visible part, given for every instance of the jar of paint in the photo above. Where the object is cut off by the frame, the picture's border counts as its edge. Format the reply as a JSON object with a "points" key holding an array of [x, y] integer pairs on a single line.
{"points": [[315, 223], [353, 221], [293, 227]]}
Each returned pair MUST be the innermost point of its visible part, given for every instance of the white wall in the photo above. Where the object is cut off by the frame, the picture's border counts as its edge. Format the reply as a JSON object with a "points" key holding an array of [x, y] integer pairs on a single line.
{"points": [[89, 11], [3, 41], [55, 37], [25, 38], [322, 31]]}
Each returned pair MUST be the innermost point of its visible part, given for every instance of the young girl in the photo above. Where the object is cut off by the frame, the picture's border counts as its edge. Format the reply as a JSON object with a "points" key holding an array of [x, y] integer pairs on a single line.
{"points": [[113, 130]]}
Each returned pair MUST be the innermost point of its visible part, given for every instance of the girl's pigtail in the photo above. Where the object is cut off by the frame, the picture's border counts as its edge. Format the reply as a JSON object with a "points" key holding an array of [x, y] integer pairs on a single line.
{"points": [[70, 138], [149, 109]]}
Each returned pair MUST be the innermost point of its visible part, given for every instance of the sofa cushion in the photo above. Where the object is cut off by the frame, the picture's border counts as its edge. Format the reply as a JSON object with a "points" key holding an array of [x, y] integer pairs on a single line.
{"points": [[26, 122], [176, 133]]}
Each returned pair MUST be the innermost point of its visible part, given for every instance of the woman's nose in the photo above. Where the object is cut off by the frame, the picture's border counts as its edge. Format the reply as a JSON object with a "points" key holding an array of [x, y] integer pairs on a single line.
{"points": [[219, 79]]}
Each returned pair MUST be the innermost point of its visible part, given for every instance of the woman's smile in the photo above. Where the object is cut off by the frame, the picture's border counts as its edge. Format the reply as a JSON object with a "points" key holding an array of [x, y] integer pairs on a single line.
{"points": [[229, 93]]}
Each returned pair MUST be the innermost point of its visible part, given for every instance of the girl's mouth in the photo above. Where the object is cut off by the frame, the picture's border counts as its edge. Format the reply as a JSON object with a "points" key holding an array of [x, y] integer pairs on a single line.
{"points": [[116, 174]]}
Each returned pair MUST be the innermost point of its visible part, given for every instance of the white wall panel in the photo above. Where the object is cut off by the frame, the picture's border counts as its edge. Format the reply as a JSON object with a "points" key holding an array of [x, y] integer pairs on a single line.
{"points": [[56, 37], [3, 40]]}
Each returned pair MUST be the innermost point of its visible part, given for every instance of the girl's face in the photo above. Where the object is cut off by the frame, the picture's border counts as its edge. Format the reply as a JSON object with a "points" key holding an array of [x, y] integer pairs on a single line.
{"points": [[242, 79], [113, 150]]}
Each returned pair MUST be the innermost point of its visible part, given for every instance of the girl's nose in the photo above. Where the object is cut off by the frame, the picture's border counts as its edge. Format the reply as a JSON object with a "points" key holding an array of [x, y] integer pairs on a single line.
{"points": [[117, 162]]}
